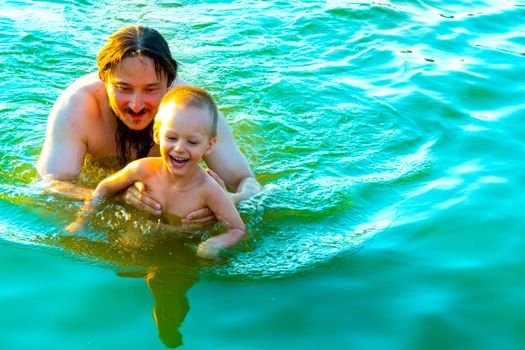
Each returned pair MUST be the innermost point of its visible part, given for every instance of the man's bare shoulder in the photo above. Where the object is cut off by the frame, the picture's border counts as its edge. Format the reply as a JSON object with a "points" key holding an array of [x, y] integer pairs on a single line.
{"points": [[85, 96], [88, 85]]}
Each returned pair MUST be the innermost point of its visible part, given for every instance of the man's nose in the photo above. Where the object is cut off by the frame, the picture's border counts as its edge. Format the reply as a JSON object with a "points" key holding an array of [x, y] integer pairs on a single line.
{"points": [[136, 104]]}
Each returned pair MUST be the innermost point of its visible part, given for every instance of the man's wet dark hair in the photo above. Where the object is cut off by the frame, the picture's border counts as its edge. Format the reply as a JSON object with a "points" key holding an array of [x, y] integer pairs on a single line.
{"points": [[135, 41], [127, 140]]}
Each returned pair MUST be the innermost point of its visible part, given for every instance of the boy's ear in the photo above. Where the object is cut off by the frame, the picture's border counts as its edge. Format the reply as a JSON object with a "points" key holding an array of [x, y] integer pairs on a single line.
{"points": [[211, 143], [156, 136]]}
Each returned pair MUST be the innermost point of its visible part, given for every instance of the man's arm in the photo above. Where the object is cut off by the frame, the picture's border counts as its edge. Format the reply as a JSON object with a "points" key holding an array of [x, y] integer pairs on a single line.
{"points": [[65, 145], [229, 169], [230, 165]]}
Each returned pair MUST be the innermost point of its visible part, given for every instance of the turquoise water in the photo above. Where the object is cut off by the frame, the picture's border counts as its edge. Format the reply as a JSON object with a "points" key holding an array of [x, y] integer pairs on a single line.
{"points": [[387, 136]]}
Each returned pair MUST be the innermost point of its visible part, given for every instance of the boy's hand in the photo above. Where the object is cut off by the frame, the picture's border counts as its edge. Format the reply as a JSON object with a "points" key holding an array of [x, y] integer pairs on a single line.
{"points": [[209, 249], [135, 196]]}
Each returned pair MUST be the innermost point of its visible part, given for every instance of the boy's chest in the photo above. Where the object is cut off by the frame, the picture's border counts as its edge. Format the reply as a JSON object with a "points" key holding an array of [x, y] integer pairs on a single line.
{"points": [[175, 202]]}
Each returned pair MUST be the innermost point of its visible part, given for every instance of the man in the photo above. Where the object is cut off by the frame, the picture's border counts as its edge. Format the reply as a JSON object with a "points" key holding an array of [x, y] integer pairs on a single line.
{"points": [[111, 115]]}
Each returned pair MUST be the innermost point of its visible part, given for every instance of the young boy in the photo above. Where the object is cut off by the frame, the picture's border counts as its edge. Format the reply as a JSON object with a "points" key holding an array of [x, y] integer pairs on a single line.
{"points": [[185, 129]]}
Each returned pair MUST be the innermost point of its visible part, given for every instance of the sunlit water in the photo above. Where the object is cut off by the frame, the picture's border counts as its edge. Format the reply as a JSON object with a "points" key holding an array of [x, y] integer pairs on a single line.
{"points": [[387, 136]]}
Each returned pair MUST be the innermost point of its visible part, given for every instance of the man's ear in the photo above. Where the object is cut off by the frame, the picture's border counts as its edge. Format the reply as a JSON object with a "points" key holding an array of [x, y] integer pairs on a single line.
{"points": [[211, 143]]}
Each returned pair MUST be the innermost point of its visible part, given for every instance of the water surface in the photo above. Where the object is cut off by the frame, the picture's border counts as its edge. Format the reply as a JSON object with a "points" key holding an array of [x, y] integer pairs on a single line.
{"points": [[387, 136]]}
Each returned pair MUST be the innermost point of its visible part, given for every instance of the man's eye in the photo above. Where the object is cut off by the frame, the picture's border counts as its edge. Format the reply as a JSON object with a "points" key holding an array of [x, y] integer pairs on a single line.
{"points": [[152, 90]]}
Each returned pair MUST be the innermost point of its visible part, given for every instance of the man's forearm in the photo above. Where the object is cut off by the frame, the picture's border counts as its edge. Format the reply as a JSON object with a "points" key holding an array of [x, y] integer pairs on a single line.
{"points": [[66, 189]]}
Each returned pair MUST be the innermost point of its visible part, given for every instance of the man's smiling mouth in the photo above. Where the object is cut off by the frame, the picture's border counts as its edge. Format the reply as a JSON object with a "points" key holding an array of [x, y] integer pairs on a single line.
{"points": [[138, 114]]}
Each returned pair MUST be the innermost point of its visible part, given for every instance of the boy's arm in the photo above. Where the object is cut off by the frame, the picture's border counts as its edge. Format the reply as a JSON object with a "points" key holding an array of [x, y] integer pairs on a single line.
{"points": [[225, 211], [229, 168], [120, 180], [107, 188]]}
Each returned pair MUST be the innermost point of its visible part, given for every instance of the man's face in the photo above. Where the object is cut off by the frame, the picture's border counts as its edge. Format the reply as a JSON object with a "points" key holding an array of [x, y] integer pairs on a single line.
{"points": [[134, 91]]}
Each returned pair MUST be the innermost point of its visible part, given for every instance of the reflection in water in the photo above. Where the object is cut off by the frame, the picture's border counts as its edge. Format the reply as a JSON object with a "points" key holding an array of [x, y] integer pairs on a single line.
{"points": [[168, 286], [167, 263], [171, 305]]}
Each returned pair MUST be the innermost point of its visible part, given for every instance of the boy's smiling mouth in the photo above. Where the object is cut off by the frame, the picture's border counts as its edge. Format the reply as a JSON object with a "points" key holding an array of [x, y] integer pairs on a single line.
{"points": [[178, 161]]}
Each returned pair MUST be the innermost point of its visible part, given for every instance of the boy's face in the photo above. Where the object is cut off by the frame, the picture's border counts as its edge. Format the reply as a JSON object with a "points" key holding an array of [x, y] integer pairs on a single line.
{"points": [[184, 137]]}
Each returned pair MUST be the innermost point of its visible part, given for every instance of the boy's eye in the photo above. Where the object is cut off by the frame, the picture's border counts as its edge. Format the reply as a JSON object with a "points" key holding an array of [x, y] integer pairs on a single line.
{"points": [[193, 142], [171, 138], [151, 90]]}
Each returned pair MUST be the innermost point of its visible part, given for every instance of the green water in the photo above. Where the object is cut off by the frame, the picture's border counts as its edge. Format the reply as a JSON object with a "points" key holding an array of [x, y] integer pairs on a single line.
{"points": [[387, 136]]}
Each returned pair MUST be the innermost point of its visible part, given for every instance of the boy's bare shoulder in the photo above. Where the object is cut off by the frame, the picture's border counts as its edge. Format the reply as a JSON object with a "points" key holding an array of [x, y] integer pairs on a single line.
{"points": [[209, 187], [146, 165]]}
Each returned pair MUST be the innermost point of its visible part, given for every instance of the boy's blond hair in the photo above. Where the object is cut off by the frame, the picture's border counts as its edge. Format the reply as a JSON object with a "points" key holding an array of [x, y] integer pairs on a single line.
{"points": [[188, 96]]}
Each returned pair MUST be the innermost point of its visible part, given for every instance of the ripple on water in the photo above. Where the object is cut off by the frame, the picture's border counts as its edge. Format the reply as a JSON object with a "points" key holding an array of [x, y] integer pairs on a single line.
{"points": [[298, 223], [335, 119]]}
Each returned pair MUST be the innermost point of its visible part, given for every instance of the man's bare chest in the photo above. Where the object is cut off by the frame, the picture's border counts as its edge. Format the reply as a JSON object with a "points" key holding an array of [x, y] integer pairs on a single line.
{"points": [[103, 143]]}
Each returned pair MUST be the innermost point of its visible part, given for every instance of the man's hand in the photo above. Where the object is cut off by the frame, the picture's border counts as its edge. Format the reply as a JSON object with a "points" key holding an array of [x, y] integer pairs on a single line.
{"points": [[221, 183], [216, 178], [201, 217], [247, 188], [136, 197], [64, 188]]}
